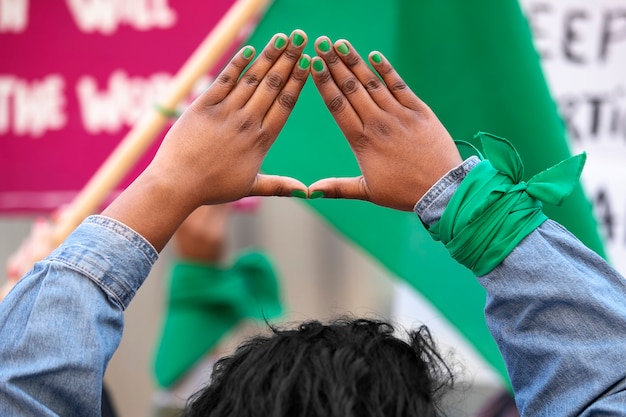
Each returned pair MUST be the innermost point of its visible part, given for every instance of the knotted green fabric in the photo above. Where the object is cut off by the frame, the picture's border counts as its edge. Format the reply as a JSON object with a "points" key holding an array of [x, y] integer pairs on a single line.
{"points": [[205, 302], [493, 209]]}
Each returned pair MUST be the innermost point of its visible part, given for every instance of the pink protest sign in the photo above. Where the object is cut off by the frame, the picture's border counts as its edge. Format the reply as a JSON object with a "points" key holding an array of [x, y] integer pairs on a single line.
{"points": [[74, 77]]}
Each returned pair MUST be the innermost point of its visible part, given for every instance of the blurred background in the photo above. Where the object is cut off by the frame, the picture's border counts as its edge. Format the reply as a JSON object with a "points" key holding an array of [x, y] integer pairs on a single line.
{"points": [[76, 76]]}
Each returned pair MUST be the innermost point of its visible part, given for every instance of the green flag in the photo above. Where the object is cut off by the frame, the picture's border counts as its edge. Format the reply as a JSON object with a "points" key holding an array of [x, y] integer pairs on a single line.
{"points": [[474, 64]]}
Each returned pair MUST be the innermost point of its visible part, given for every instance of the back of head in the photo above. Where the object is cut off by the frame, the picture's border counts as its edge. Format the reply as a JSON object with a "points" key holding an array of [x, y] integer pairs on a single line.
{"points": [[346, 368]]}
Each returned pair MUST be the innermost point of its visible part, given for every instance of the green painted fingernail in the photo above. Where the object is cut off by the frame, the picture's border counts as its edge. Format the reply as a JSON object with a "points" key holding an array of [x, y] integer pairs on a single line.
{"points": [[247, 53], [279, 42], [324, 46], [343, 48], [377, 58], [318, 65], [298, 194], [298, 39], [304, 62], [317, 194]]}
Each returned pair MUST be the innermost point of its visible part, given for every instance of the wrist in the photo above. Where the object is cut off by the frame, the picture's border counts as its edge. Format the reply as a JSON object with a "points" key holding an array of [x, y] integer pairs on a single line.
{"points": [[432, 204], [153, 206]]}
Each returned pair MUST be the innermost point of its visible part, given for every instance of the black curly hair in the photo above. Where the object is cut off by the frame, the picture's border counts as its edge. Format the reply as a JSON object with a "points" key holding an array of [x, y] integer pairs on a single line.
{"points": [[345, 368]]}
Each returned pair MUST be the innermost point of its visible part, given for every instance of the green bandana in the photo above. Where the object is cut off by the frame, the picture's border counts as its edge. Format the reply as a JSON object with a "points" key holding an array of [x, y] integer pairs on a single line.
{"points": [[493, 209], [206, 302]]}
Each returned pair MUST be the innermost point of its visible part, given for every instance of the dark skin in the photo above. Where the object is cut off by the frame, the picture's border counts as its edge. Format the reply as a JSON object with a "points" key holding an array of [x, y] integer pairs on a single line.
{"points": [[400, 145], [213, 153]]}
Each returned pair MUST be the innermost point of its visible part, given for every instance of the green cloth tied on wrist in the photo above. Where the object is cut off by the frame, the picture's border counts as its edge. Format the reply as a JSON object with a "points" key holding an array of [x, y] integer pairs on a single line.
{"points": [[206, 302], [493, 209]]}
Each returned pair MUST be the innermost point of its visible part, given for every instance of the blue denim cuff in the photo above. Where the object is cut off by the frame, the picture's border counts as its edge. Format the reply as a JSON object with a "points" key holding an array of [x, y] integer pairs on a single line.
{"points": [[110, 254], [432, 204]]}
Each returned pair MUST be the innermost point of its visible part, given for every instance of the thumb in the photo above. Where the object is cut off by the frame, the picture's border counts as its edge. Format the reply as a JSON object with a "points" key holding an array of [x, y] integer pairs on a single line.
{"points": [[276, 185], [353, 188]]}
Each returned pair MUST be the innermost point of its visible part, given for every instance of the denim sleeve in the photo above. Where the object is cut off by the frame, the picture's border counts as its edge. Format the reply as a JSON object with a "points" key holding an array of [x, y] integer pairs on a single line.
{"points": [[558, 314], [62, 322]]}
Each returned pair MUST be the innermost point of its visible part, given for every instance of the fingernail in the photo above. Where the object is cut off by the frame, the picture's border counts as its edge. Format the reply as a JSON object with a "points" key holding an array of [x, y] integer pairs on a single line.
{"points": [[343, 48], [298, 39], [298, 194], [318, 65], [324, 46], [317, 194], [304, 62], [377, 58], [279, 42], [247, 52]]}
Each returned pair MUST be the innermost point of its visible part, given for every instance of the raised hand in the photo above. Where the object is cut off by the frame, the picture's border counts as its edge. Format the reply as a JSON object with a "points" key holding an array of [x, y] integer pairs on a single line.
{"points": [[214, 151], [224, 136], [400, 145]]}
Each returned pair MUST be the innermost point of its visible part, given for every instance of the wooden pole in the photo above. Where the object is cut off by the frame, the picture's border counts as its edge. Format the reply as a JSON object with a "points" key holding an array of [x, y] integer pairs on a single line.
{"points": [[144, 132]]}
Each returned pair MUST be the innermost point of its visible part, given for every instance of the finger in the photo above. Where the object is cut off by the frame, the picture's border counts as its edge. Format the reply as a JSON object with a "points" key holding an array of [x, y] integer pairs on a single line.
{"points": [[237, 87], [353, 188], [277, 185], [370, 81], [345, 79], [271, 86], [340, 108], [257, 71], [395, 83], [281, 108], [227, 79]]}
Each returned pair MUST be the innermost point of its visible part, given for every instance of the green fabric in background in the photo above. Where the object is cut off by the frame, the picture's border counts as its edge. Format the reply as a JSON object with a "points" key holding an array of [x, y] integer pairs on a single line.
{"points": [[205, 302], [474, 64]]}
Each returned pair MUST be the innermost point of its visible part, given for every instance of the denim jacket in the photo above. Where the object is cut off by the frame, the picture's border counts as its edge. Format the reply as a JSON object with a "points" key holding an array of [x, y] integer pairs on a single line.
{"points": [[556, 310]]}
